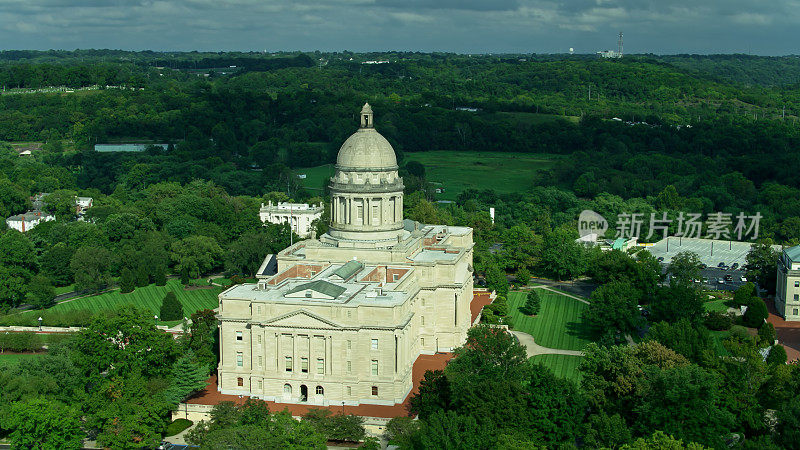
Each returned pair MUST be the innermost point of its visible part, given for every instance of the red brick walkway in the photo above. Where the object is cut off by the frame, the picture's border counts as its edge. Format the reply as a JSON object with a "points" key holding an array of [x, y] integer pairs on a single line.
{"points": [[210, 395], [788, 332]]}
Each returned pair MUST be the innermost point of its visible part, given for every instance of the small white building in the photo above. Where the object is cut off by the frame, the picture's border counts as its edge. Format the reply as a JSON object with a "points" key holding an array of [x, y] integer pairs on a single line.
{"points": [[299, 215], [24, 222]]}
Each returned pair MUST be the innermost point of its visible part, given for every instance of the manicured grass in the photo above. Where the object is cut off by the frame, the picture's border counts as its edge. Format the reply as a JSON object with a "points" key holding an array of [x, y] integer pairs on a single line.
{"points": [[457, 171], [558, 324], [564, 366], [177, 426], [716, 305], [148, 298], [315, 177], [7, 359]]}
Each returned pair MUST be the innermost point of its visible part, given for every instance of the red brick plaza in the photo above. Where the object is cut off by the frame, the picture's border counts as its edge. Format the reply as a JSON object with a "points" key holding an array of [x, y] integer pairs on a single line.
{"points": [[788, 333]]}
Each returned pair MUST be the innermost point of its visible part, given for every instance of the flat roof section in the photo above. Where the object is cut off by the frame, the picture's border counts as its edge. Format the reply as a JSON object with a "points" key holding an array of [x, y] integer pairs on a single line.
{"points": [[728, 252]]}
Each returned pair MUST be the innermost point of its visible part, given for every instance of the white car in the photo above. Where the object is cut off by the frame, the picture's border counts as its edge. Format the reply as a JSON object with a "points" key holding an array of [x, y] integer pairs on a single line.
{"points": [[743, 279]]}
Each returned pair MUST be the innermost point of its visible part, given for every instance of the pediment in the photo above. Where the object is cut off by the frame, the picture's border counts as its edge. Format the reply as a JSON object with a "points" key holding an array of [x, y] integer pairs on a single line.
{"points": [[302, 319]]}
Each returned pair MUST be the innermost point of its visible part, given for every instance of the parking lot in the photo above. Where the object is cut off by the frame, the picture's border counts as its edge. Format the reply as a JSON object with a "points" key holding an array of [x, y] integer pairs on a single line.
{"points": [[711, 253]]}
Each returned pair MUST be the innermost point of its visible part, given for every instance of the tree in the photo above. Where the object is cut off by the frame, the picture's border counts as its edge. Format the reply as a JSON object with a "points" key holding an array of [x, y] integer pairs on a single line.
{"points": [[523, 276], [203, 337], [675, 302], [123, 344], [776, 356], [452, 430], [12, 199], [788, 428], [41, 291], [766, 334], [55, 262], [171, 308], [91, 268], [126, 281], [604, 431], [196, 255], [660, 441], [762, 264], [614, 308], [160, 275], [756, 313], [12, 285], [188, 377], [141, 276], [432, 395], [561, 257], [42, 423], [693, 342], [246, 254], [339, 427], [18, 252], [685, 267], [532, 303], [496, 279], [62, 204]]}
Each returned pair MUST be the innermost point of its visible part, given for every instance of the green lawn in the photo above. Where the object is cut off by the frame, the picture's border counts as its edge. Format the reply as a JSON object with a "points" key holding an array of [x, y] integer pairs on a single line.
{"points": [[564, 366], [456, 171], [716, 305], [315, 177], [148, 298], [7, 359], [64, 289], [558, 324]]}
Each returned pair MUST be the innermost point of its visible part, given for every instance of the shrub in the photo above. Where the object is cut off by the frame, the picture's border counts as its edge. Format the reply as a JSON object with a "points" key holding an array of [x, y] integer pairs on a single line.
{"points": [[339, 427], [171, 308], [177, 426], [127, 283], [766, 334], [19, 342], [740, 333], [160, 276], [523, 276], [718, 321], [42, 293], [777, 355], [756, 313], [532, 303], [400, 430], [142, 276], [185, 277]]}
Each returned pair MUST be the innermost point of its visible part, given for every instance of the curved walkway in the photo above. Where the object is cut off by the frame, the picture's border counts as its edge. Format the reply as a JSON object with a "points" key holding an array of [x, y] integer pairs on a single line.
{"points": [[533, 349], [548, 288]]}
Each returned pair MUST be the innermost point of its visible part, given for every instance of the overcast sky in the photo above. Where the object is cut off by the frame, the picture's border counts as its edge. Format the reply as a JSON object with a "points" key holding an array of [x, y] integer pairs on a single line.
{"points": [[766, 27]]}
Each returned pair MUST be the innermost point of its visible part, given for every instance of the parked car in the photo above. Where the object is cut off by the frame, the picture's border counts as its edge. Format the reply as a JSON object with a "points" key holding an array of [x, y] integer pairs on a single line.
{"points": [[705, 279], [703, 266], [660, 259], [734, 266], [743, 279], [729, 278], [721, 280], [721, 265]]}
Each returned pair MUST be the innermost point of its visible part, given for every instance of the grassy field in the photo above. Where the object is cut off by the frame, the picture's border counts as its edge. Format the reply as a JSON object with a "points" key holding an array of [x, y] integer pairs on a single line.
{"points": [[716, 305], [148, 298], [7, 359], [315, 177], [457, 171], [565, 366], [558, 324]]}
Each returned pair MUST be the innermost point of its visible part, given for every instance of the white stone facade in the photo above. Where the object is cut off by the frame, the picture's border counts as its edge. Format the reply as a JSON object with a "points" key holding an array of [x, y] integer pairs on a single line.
{"points": [[299, 215], [346, 316], [787, 296]]}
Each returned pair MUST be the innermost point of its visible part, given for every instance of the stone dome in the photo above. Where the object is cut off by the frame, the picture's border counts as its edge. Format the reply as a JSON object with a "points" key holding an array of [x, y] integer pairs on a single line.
{"points": [[366, 148]]}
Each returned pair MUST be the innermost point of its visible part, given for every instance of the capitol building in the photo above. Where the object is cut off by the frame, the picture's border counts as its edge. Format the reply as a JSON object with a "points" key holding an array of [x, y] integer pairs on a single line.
{"points": [[349, 312]]}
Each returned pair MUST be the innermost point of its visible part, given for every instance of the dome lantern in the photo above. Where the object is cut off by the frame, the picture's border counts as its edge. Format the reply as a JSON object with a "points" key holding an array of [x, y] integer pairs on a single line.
{"points": [[366, 117]]}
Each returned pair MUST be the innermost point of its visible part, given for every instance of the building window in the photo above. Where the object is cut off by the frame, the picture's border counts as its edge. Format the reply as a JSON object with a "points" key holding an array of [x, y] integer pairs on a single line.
{"points": [[238, 335], [260, 384], [395, 276], [288, 363], [794, 311], [349, 342], [259, 338], [423, 321], [375, 390], [422, 341], [349, 366], [423, 302], [374, 344], [308, 294], [797, 284], [287, 390], [260, 361], [239, 359], [349, 390], [304, 365], [258, 309], [374, 367], [240, 381], [349, 313], [320, 390], [320, 366], [796, 297]]}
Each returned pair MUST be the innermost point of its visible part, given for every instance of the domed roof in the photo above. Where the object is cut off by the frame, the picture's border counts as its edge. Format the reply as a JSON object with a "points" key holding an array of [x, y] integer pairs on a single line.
{"points": [[366, 148]]}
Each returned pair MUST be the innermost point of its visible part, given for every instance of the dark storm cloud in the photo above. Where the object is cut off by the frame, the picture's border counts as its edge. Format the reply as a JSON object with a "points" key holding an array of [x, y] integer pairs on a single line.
{"points": [[469, 26]]}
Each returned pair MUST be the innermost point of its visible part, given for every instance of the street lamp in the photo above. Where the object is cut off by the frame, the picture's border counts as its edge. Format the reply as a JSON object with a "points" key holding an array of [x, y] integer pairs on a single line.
{"points": [[40, 323]]}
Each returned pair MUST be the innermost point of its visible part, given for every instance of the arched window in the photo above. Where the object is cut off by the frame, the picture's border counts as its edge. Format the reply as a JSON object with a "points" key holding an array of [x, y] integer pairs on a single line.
{"points": [[320, 390], [287, 390]]}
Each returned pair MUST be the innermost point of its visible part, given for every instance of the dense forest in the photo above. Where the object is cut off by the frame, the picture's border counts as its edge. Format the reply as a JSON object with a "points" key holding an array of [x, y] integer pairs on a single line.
{"points": [[642, 134]]}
